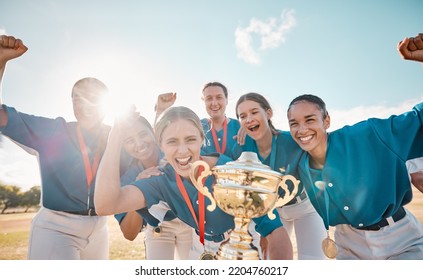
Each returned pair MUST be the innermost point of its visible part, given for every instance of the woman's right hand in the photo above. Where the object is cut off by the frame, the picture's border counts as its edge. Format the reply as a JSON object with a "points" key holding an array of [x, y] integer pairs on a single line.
{"points": [[10, 48], [147, 173]]}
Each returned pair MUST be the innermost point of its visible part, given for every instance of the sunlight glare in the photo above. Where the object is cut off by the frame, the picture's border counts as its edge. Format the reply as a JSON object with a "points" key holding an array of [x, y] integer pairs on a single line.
{"points": [[114, 107]]}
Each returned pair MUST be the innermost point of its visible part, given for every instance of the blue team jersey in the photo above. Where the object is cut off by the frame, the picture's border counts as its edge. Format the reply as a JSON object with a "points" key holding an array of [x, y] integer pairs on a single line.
{"points": [[164, 190], [209, 144], [64, 184], [365, 175], [128, 177]]}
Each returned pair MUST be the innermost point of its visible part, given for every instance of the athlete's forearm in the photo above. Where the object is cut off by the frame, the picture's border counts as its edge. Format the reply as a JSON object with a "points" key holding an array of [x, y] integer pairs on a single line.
{"points": [[107, 185], [131, 225]]}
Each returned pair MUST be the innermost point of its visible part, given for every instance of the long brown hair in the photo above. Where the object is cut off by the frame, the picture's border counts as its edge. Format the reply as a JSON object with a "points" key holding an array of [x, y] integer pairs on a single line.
{"points": [[264, 104]]}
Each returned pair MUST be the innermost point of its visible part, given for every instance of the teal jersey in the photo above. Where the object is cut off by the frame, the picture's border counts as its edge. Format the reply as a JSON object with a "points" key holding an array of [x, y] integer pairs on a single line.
{"points": [[209, 143], [365, 178], [162, 192], [129, 176]]}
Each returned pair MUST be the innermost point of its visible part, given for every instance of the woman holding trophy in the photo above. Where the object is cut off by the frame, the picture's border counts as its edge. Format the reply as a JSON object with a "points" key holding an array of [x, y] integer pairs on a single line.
{"points": [[180, 136], [279, 151]]}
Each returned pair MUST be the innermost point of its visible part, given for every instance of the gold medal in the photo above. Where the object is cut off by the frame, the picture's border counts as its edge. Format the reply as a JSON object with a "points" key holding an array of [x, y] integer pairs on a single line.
{"points": [[329, 248], [157, 231], [206, 255]]}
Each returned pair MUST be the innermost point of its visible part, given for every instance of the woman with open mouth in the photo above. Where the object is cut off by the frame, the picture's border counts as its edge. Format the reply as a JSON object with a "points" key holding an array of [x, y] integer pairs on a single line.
{"points": [[180, 136], [279, 151]]}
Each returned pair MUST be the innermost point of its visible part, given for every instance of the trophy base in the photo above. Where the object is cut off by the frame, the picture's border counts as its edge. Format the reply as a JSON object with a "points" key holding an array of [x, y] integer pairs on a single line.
{"points": [[233, 251]]}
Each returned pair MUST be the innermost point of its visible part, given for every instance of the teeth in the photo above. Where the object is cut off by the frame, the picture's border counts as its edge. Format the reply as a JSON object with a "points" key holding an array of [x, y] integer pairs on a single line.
{"points": [[254, 127], [304, 139], [183, 161]]}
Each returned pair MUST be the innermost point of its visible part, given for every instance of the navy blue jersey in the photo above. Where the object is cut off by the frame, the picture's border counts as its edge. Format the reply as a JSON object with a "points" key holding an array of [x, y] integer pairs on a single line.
{"points": [[129, 176], [64, 183]]}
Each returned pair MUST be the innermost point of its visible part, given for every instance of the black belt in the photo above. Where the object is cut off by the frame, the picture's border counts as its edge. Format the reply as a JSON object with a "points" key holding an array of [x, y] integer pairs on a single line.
{"points": [[383, 223], [298, 198], [88, 212], [213, 237]]}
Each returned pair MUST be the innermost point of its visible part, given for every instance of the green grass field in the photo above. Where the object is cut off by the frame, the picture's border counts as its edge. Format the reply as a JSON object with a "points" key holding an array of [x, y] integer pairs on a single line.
{"points": [[14, 234]]}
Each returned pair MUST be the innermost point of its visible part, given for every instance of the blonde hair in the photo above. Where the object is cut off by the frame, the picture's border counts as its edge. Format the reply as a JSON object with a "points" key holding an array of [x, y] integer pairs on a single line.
{"points": [[173, 114]]}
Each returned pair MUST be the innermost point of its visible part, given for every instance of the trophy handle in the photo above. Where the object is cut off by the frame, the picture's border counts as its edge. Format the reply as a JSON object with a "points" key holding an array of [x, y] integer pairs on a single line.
{"points": [[198, 182], [288, 195]]}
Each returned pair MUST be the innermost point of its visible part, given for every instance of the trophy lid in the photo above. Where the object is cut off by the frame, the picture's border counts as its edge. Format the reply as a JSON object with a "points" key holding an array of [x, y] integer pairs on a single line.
{"points": [[248, 161]]}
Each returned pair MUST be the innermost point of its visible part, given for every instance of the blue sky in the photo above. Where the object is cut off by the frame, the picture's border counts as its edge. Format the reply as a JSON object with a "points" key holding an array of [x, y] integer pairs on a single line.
{"points": [[343, 51]]}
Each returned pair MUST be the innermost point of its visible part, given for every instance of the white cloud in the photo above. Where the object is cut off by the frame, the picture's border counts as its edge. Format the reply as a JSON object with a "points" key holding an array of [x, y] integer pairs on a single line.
{"points": [[340, 118], [270, 34]]}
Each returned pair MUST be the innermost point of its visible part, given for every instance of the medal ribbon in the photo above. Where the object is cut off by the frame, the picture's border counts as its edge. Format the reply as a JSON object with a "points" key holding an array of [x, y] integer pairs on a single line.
{"points": [[216, 142], [90, 171], [325, 193], [273, 152], [201, 203]]}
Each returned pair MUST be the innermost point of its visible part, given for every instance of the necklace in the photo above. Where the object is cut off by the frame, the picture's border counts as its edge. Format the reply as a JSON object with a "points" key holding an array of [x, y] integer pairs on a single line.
{"points": [[219, 149]]}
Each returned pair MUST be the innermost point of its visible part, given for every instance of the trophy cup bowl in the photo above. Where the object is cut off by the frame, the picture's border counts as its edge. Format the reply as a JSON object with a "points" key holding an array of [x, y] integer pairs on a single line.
{"points": [[245, 189]]}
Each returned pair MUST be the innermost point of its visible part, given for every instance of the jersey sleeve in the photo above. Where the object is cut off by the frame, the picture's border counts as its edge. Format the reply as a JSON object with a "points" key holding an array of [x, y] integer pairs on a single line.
{"points": [[28, 130], [403, 134], [264, 225]]}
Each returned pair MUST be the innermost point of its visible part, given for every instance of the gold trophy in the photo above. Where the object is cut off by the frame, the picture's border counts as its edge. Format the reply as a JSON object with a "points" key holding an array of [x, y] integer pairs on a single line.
{"points": [[245, 189]]}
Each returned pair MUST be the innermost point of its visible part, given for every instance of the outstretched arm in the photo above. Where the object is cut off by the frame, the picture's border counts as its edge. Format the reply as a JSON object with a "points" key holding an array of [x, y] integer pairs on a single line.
{"points": [[109, 197], [10, 48], [411, 48]]}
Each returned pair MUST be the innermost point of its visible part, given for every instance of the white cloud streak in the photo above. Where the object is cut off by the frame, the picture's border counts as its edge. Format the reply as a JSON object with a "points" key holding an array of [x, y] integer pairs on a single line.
{"points": [[270, 34]]}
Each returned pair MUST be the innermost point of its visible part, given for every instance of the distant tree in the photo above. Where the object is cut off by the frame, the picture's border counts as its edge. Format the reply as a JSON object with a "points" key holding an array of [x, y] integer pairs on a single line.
{"points": [[31, 198], [10, 196]]}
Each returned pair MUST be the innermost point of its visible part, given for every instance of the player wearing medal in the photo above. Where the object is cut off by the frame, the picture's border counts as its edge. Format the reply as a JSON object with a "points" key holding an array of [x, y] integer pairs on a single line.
{"points": [[278, 150], [169, 238], [180, 136], [221, 132], [66, 226], [356, 176]]}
